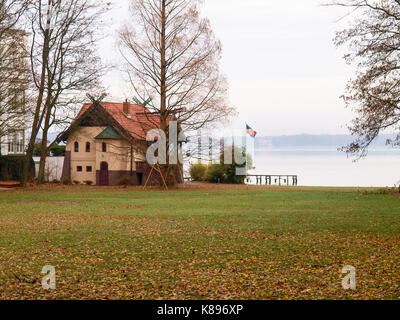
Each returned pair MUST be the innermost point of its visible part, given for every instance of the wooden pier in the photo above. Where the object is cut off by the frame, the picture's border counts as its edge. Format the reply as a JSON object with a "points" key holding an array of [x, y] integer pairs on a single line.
{"points": [[280, 180]]}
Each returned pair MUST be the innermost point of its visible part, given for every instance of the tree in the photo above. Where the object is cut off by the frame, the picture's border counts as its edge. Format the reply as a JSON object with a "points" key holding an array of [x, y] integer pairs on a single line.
{"points": [[54, 150], [374, 94], [173, 57], [13, 67], [64, 63]]}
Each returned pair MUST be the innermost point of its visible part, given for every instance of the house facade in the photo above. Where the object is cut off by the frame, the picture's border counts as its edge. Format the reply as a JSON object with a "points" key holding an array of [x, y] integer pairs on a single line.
{"points": [[107, 143], [13, 85], [13, 143]]}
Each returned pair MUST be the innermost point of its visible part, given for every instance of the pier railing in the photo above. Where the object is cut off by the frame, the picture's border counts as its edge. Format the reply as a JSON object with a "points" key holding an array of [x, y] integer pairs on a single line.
{"points": [[269, 180]]}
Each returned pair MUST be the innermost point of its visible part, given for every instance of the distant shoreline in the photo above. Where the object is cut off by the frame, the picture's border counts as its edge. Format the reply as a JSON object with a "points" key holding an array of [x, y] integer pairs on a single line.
{"points": [[307, 140]]}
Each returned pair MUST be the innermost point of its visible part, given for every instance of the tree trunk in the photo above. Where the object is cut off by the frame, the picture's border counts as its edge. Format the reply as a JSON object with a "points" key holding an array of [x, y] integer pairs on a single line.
{"points": [[25, 172], [38, 117], [132, 155], [44, 148], [29, 150], [43, 157], [163, 89]]}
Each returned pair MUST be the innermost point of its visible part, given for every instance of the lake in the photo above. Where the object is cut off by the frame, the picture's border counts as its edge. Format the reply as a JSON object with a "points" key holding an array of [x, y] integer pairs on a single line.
{"points": [[329, 167]]}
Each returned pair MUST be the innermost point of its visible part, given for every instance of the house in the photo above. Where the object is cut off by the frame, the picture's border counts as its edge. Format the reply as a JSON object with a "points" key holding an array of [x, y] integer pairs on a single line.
{"points": [[107, 142], [13, 85], [13, 143]]}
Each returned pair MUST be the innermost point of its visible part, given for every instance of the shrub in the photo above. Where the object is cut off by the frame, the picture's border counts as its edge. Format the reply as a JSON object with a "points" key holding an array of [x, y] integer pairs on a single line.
{"points": [[198, 172], [55, 181], [88, 182], [11, 168], [76, 182], [67, 182], [216, 173], [226, 173], [128, 181]]}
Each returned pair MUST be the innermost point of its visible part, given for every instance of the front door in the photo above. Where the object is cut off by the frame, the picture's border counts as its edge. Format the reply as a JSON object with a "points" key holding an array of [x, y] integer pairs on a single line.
{"points": [[139, 178], [104, 174]]}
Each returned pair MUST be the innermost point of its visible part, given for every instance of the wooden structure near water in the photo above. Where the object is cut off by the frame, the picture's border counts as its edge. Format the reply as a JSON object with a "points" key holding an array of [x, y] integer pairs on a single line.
{"points": [[280, 180]]}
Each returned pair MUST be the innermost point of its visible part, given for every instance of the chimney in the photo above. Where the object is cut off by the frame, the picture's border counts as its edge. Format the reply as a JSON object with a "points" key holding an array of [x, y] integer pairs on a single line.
{"points": [[126, 107]]}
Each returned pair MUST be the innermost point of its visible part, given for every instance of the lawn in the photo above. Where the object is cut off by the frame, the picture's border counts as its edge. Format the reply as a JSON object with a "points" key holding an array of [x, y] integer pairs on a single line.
{"points": [[199, 243]]}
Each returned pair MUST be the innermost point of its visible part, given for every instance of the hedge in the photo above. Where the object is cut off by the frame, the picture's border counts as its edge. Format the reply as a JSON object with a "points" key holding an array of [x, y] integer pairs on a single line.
{"points": [[11, 168]]}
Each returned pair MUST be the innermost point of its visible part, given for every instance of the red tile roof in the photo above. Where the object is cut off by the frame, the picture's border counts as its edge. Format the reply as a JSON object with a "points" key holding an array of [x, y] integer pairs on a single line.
{"points": [[141, 120]]}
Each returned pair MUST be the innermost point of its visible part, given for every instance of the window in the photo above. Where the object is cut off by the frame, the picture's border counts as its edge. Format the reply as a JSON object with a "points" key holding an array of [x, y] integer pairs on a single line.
{"points": [[16, 98], [104, 147], [21, 145], [87, 146], [76, 147], [79, 168], [13, 144], [88, 169]]}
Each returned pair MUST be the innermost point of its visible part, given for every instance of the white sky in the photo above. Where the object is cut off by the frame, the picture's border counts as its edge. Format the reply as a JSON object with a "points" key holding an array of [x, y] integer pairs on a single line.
{"points": [[285, 74]]}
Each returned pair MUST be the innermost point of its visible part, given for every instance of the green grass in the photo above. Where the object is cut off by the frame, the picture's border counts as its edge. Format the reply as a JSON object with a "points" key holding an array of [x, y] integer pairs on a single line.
{"points": [[255, 243]]}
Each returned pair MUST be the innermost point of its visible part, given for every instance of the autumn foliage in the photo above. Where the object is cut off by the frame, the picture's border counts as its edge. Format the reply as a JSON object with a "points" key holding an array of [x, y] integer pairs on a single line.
{"points": [[373, 42]]}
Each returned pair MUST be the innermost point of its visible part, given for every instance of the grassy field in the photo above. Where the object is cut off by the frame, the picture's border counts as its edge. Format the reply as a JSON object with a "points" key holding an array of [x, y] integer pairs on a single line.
{"points": [[199, 243]]}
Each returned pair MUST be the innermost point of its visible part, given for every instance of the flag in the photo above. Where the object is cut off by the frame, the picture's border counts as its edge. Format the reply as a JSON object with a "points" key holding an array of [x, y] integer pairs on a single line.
{"points": [[250, 131]]}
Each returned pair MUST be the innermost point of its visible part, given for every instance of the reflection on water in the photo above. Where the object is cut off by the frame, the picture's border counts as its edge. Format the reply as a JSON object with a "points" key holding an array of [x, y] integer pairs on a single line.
{"points": [[329, 167]]}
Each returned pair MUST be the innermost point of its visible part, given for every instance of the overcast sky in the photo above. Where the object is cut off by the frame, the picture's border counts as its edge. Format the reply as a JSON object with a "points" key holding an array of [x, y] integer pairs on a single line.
{"points": [[285, 74]]}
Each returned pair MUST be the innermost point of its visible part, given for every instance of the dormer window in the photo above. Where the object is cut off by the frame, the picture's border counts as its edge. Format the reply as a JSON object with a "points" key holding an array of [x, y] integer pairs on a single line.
{"points": [[104, 147], [76, 146]]}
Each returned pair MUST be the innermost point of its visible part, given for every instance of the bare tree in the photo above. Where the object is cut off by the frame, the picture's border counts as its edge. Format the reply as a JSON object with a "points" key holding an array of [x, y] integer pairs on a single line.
{"points": [[64, 62], [13, 67], [374, 47], [172, 56]]}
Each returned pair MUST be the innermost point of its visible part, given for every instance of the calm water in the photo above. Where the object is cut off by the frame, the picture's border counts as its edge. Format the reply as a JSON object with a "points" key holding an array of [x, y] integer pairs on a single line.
{"points": [[329, 167]]}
